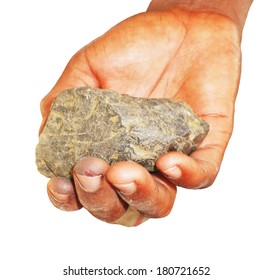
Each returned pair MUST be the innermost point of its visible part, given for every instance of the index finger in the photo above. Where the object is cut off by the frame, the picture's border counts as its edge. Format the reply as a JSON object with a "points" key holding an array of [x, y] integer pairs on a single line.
{"points": [[200, 169]]}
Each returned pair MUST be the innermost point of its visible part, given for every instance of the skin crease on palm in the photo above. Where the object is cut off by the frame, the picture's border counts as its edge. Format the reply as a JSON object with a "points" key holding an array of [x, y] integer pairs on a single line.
{"points": [[179, 54]]}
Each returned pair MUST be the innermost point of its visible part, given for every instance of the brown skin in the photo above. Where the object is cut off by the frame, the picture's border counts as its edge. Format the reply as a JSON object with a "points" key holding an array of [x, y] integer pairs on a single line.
{"points": [[174, 53]]}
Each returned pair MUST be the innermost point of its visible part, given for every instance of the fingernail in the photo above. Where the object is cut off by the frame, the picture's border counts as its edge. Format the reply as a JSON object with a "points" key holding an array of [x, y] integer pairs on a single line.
{"points": [[60, 190], [126, 189], [88, 183], [61, 201], [60, 198], [173, 172]]}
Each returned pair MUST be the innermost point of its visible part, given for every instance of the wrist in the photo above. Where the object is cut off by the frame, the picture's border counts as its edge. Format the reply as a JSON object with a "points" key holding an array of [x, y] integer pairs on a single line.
{"points": [[235, 10]]}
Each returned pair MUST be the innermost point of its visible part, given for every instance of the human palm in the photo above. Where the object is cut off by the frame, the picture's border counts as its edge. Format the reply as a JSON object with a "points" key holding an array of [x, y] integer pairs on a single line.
{"points": [[194, 57]]}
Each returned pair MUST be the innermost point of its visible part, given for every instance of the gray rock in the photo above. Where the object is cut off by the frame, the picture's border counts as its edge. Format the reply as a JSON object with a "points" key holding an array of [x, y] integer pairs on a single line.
{"points": [[84, 122]]}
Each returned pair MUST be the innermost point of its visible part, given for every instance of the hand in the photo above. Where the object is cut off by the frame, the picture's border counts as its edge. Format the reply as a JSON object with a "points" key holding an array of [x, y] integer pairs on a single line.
{"points": [[174, 54]]}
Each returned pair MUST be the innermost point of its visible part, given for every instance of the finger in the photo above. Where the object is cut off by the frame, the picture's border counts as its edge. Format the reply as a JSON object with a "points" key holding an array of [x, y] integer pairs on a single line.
{"points": [[131, 218], [186, 171], [94, 192], [200, 169], [62, 194], [150, 194]]}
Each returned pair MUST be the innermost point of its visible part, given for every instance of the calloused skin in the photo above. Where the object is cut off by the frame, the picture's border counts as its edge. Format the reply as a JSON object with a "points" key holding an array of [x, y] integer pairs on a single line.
{"points": [[192, 56]]}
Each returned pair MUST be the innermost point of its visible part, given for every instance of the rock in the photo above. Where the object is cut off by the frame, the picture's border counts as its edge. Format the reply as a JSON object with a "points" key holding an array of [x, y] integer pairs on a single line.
{"points": [[84, 122]]}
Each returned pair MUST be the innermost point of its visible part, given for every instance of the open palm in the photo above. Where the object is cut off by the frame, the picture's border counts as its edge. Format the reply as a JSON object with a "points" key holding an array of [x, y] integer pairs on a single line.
{"points": [[194, 57]]}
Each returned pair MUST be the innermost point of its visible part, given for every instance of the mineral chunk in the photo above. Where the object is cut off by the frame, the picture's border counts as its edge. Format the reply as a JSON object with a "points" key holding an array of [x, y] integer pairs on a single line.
{"points": [[86, 122]]}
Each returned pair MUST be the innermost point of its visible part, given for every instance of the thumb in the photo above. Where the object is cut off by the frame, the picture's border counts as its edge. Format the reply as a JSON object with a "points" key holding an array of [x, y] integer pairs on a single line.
{"points": [[77, 73]]}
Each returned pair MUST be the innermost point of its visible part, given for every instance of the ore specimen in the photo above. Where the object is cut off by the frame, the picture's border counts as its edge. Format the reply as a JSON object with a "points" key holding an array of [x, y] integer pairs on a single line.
{"points": [[86, 122]]}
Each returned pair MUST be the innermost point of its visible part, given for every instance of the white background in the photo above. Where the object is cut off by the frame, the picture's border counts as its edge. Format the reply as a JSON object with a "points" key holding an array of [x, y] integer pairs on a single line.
{"points": [[226, 227]]}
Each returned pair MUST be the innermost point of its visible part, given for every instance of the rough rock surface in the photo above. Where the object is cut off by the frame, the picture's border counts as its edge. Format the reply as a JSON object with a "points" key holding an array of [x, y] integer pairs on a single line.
{"points": [[84, 122]]}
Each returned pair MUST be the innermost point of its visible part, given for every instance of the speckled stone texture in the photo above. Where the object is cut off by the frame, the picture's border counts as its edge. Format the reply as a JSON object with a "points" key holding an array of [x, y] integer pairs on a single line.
{"points": [[86, 122]]}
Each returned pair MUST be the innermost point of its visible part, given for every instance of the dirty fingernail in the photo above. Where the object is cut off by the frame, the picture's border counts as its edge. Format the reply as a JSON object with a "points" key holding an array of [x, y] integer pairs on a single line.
{"points": [[173, 172], [127, 188], [59, 198], [59, 189], [88, 183]]}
